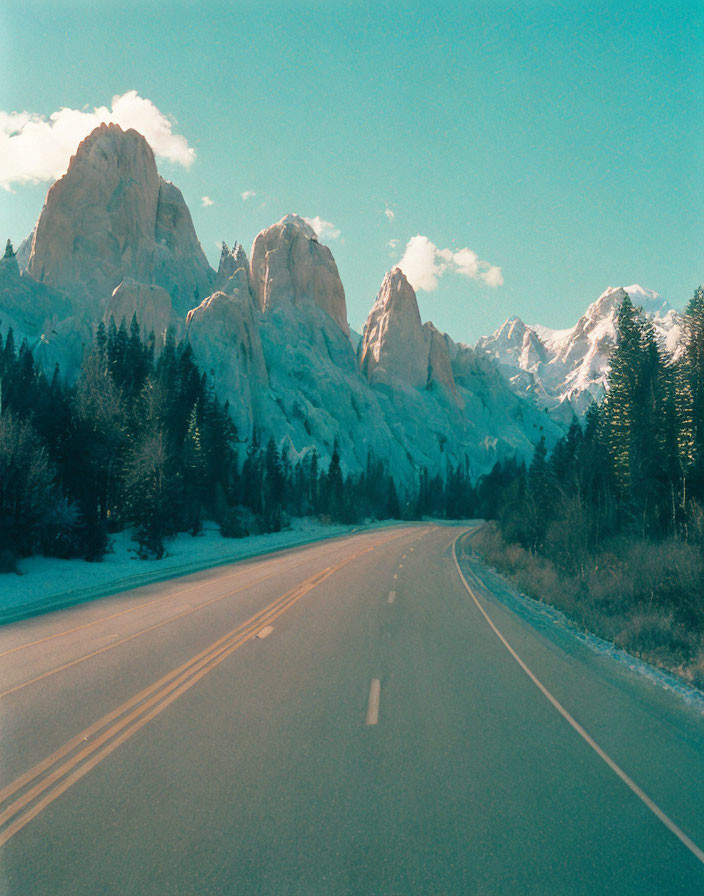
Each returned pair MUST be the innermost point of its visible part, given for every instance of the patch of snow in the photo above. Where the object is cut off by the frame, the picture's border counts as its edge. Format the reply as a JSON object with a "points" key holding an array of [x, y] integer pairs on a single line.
{"points": [[47, 583]]}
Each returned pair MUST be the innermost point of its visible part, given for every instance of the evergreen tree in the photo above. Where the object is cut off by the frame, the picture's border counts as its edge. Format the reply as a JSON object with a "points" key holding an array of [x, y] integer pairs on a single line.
{"points": [[195, 474], [621, 402], [150, 485], [689, 398], [26, 485], [334, 487]]}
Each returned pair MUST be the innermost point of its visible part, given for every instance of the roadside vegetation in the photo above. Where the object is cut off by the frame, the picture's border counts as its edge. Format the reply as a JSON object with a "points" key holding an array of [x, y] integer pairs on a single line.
{"points": [[610, 527]]}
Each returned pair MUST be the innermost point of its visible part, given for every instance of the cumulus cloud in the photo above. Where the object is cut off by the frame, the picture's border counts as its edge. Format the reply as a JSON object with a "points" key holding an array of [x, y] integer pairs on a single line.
{"points": [[248, 194], [35, 148], [324, 230], [393, 244], [424, 263], [390, 213], [205, 201]]}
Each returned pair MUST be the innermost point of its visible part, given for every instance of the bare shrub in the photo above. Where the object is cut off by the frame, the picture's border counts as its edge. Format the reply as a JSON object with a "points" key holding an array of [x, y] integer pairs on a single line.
{"points": [[646, 597]]}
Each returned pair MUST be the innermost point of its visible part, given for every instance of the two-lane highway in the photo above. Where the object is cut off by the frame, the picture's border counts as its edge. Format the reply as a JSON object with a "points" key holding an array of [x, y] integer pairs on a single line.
{"points": [[339, 718]]}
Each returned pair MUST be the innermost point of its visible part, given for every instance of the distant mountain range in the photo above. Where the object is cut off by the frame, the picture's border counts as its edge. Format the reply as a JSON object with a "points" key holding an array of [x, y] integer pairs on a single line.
{"points": [[563, 371], [115, 239]]}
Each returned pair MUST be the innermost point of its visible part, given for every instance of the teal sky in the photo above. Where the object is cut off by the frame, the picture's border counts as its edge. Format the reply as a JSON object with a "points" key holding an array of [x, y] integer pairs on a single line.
{"points": [[562, 143]]}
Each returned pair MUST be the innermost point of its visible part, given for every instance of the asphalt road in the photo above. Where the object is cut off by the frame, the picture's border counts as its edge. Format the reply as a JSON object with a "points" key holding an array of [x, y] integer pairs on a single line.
{"points": [[338, 718]]}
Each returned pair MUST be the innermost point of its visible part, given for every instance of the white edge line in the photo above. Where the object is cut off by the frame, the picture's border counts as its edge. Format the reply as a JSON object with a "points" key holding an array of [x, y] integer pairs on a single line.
{"points": [[373, 705], [629, 782]]}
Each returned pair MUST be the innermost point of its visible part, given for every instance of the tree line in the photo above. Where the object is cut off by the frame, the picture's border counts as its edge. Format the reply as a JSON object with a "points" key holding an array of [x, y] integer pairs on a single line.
{"points": [[141, 440], [633, 469]]}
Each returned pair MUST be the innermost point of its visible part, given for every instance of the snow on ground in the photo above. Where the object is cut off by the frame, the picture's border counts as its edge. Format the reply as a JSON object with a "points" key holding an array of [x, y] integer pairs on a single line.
{"points": [[46, 582], [557, 627]]}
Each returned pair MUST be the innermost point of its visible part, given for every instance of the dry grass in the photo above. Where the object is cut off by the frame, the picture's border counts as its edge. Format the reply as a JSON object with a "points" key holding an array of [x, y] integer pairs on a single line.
{"points": [[646, 597]]}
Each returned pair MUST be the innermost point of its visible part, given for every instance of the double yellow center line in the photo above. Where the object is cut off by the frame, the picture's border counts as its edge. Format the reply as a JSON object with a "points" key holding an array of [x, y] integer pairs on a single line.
{"points": [[32, 792]]}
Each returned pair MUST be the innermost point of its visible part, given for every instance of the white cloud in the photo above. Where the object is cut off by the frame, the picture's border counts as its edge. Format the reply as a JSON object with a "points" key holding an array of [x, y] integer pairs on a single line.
{"points": [[423, 264], [35, 148], [324, 230], [492, 276], [393, 244], [390, 213], [248, 194], [205, 201]]}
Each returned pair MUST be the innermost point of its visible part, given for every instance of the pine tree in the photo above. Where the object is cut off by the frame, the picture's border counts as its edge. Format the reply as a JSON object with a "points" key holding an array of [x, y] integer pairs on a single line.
{"points": [[539, 495], [274, 486], [195, 474], [690, 391], [26, 485], [334, 486], [150, 484], [621, 400]]}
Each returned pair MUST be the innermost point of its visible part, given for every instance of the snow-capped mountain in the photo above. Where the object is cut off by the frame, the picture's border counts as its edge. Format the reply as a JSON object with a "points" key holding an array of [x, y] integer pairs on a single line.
{"points": [[115, 239], [565, 370]]}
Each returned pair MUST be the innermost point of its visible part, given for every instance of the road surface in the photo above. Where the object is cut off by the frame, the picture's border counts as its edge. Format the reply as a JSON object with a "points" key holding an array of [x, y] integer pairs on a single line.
{"points": [[338, 718]]}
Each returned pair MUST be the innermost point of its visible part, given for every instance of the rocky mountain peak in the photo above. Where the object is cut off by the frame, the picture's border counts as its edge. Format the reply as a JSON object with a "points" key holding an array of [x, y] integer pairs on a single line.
{"points": [[111, 217], [394, 346], [289, 265], [566, 369], [296, 222]]}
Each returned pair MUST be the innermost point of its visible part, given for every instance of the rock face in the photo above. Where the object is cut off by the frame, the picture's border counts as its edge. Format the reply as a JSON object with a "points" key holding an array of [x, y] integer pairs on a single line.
{"points": [[394, 350], [24, 251], [289, 265], [397, 349], [439, 364], [151, 304], [224, 334], [180, 265], [111, 217]]}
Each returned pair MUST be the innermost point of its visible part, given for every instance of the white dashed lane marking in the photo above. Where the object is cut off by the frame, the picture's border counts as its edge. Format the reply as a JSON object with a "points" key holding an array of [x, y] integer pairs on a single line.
{"points": [[373, 704]]}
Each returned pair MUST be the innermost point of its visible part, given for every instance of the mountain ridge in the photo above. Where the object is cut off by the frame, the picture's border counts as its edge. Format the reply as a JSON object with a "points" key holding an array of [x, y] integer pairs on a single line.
{"points": [[565, 370], [270, 329]]}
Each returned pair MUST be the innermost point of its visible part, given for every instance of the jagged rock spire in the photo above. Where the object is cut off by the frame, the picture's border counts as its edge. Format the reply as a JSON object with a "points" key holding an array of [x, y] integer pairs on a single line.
{"points": [[393, 343], [111, 217], [290, 265]]}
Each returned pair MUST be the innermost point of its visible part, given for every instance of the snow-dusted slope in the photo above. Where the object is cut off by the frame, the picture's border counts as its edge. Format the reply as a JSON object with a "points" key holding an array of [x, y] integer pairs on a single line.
{"points": [[564, 370]]}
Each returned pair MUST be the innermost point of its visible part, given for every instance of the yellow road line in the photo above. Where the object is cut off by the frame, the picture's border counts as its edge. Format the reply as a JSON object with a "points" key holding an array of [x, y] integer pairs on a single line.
{"points": [[256, 619], [627, 780], [161, 694], [169, 596], [100, 650], [144, 631], [138, 634]]}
